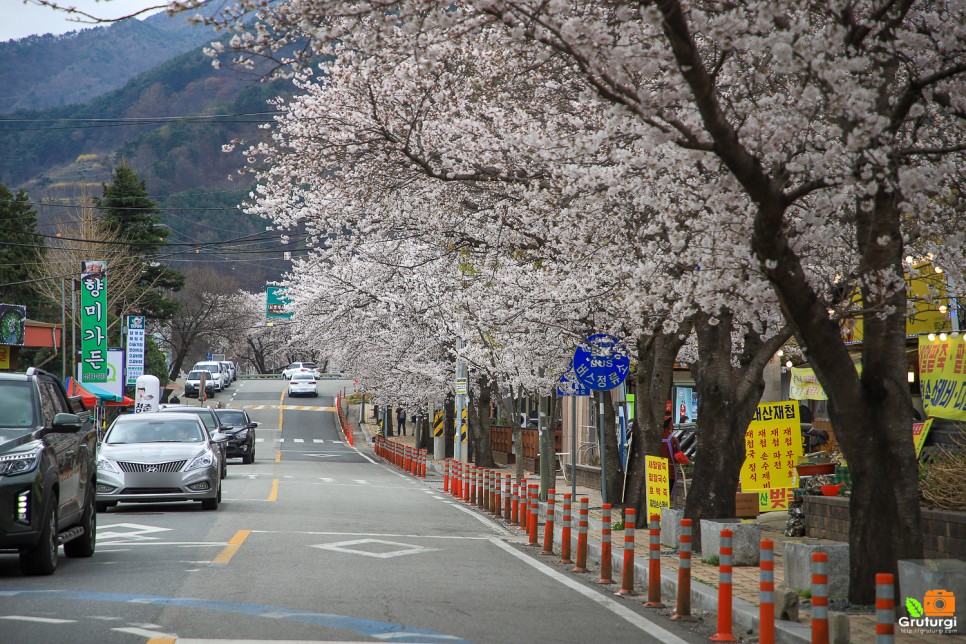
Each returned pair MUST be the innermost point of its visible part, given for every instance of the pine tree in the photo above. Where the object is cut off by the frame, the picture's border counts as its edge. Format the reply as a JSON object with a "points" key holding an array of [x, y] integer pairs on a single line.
{"points": [[129, 210], [20, 249]]}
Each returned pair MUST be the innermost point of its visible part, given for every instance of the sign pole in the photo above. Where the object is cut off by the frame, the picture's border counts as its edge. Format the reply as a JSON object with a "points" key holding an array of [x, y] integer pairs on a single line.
{"points": [[603, 459], [573, 447]]}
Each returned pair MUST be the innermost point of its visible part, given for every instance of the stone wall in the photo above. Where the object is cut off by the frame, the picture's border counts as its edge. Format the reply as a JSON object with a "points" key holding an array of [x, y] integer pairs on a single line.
{"points": [[943, 532]]}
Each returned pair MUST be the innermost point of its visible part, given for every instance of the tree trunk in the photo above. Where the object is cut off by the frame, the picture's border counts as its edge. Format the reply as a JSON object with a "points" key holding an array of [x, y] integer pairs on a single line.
{"points": [[615, 478], [728, 397], [655, 372], [479, 417]]}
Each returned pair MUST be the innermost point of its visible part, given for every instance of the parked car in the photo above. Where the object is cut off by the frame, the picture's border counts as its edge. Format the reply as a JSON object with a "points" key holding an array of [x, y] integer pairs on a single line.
{"points": [[234, 371], [229, 369], [159, 457], [216, 368], [212, 425], [48, 447], [240, 429], [300, 367], [303, 384], [192, 383]]}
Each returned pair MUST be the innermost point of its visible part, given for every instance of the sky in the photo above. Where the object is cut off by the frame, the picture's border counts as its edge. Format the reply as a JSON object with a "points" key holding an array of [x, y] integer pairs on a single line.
{"points": [[21, 20]]}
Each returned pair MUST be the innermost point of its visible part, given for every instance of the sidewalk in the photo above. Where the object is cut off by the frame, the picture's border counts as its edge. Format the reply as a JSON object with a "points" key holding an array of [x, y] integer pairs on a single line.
{"points": [[704, 576]]}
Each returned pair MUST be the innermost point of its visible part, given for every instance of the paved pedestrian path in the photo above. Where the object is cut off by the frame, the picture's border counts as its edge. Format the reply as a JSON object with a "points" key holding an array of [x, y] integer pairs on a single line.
{"points": [[704, 576]]}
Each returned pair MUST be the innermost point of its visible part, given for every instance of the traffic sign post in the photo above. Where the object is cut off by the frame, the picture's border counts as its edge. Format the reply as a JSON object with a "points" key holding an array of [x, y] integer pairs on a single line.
{"points": [[601, 362], [570, 387]]}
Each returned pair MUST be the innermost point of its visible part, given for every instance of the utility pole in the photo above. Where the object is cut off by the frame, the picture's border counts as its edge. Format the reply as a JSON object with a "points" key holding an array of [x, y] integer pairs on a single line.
{"points": [[462, 388]]}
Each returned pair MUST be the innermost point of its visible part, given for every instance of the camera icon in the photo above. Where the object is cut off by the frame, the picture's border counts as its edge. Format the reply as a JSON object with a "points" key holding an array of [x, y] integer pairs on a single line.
{"points": [[939, 603]]}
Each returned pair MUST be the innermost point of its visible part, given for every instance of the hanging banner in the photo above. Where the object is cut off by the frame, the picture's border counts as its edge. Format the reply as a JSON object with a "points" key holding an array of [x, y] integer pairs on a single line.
{"points": [[134, 365], [93, 318], [805, 386], [775, 499], [658, 483], [13, 324], [773, 447], [276, 302], [942, 374]]}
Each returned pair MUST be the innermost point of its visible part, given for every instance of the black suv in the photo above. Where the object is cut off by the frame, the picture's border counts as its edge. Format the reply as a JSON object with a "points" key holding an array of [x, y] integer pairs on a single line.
{"points": [[241, 433], [48, 452]]}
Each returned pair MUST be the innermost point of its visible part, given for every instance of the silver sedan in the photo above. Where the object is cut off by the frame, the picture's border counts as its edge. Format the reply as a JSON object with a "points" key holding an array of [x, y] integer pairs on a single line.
{"points": [[159, 457]]}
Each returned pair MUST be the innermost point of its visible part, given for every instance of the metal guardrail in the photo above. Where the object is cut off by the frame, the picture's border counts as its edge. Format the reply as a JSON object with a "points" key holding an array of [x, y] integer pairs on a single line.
{"points": [[278, 376]]}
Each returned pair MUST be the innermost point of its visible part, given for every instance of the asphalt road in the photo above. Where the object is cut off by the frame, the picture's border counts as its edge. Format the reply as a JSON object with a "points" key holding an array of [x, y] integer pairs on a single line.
{"points": [[314, 541]]}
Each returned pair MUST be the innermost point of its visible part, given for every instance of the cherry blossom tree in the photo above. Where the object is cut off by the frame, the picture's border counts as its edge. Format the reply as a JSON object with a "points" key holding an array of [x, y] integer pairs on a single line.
{"points": [[832, 133]]}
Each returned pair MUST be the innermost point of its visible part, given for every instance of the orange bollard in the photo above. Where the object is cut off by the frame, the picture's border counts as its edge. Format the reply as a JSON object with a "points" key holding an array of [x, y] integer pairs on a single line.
{"points": [[606, 574], [565, 530], [487, 489], [507, 499], [480, 491], [524, 506], [766, 609], [654, 563], [515, 505], [533, 514], [820, 632], [472, 498], [446, 476], [581, 565], [627, 572], [724, 590], [885, 608], [682, 609], [497, 508], [548, 526]]}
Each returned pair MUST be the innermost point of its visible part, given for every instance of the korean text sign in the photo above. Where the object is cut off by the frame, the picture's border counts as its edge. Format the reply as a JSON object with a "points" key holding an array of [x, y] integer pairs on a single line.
{"points": [[942, 373], [658, 483], [93, 315], [773, 447]]}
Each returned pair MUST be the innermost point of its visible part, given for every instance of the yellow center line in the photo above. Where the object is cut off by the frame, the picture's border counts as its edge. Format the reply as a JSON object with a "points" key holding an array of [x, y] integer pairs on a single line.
{"points": [[273, 495], [229, 551]]}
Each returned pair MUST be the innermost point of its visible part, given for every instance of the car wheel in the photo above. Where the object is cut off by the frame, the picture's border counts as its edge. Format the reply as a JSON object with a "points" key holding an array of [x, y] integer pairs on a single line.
{"points": [[212, 504], [41, 559], [249, 458], [83, 546]]}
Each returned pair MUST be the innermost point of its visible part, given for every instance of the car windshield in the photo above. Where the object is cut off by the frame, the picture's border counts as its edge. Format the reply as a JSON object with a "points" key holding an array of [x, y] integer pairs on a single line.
{"points": [[236, 418], [303, 376], [196, 375], [16, 403], [207, 416], [155, 431]]}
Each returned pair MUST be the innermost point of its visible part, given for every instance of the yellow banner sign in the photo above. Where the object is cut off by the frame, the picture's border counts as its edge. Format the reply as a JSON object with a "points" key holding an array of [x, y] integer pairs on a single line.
{"points": [[805, 386], [658, 481], [919, 433], [775, 499], [773, 447], [4, 356], [942, 374]]}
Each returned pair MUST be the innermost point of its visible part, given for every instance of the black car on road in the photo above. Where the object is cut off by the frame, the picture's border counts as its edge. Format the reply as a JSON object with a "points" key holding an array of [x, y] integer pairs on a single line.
{"points": [[241, 433], [48, 452]]}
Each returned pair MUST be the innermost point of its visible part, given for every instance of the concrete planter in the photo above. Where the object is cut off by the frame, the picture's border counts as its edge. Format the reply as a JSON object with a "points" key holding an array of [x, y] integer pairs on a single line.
{"points": [[745, 542], [671, 527], [932, 582], [797, 563]]}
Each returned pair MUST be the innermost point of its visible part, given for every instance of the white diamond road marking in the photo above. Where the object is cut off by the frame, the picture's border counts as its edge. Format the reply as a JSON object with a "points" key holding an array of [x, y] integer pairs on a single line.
{"points": [[134, 531], [403, 548]]}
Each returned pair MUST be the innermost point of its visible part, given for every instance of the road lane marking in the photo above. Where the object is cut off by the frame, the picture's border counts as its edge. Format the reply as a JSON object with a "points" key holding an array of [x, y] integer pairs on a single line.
{"points": [[42, 620], [233, 545], [278, 456], [273, 495], [651, 628]]}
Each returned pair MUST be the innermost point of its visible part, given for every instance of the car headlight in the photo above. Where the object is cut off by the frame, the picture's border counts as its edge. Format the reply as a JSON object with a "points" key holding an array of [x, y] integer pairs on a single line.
{"points": [[242, 435], [104, 465], [203, 460], [19, 463]]}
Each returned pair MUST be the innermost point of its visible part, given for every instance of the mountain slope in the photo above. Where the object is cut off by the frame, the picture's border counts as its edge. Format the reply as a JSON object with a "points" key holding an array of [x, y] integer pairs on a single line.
{"points": [[47, 71]]}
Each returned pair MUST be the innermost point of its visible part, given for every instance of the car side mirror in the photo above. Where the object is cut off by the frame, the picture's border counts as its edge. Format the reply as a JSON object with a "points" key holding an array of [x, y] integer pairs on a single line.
{"points": [[254, 425], [65, 423], [219, 437]]}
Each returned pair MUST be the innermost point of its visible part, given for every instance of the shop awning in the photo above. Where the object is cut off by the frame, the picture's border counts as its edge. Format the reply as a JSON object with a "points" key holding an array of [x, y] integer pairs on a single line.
{"points": [[92, 395]]}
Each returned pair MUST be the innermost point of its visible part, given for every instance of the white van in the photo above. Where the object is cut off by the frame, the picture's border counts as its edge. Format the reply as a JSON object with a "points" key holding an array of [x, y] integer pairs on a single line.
{"points": [[222, 377]]}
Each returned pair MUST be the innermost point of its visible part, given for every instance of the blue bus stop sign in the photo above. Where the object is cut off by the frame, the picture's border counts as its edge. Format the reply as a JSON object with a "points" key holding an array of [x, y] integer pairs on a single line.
{"points": [[570, 386], [601, 362]]}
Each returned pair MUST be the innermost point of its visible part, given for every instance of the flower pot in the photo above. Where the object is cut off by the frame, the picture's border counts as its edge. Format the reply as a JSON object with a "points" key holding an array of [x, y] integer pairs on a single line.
{"points": [[815, 469]]}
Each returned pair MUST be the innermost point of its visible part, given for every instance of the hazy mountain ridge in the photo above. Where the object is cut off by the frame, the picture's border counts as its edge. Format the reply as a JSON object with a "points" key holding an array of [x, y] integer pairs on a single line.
{"points": [[40, 72]]}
